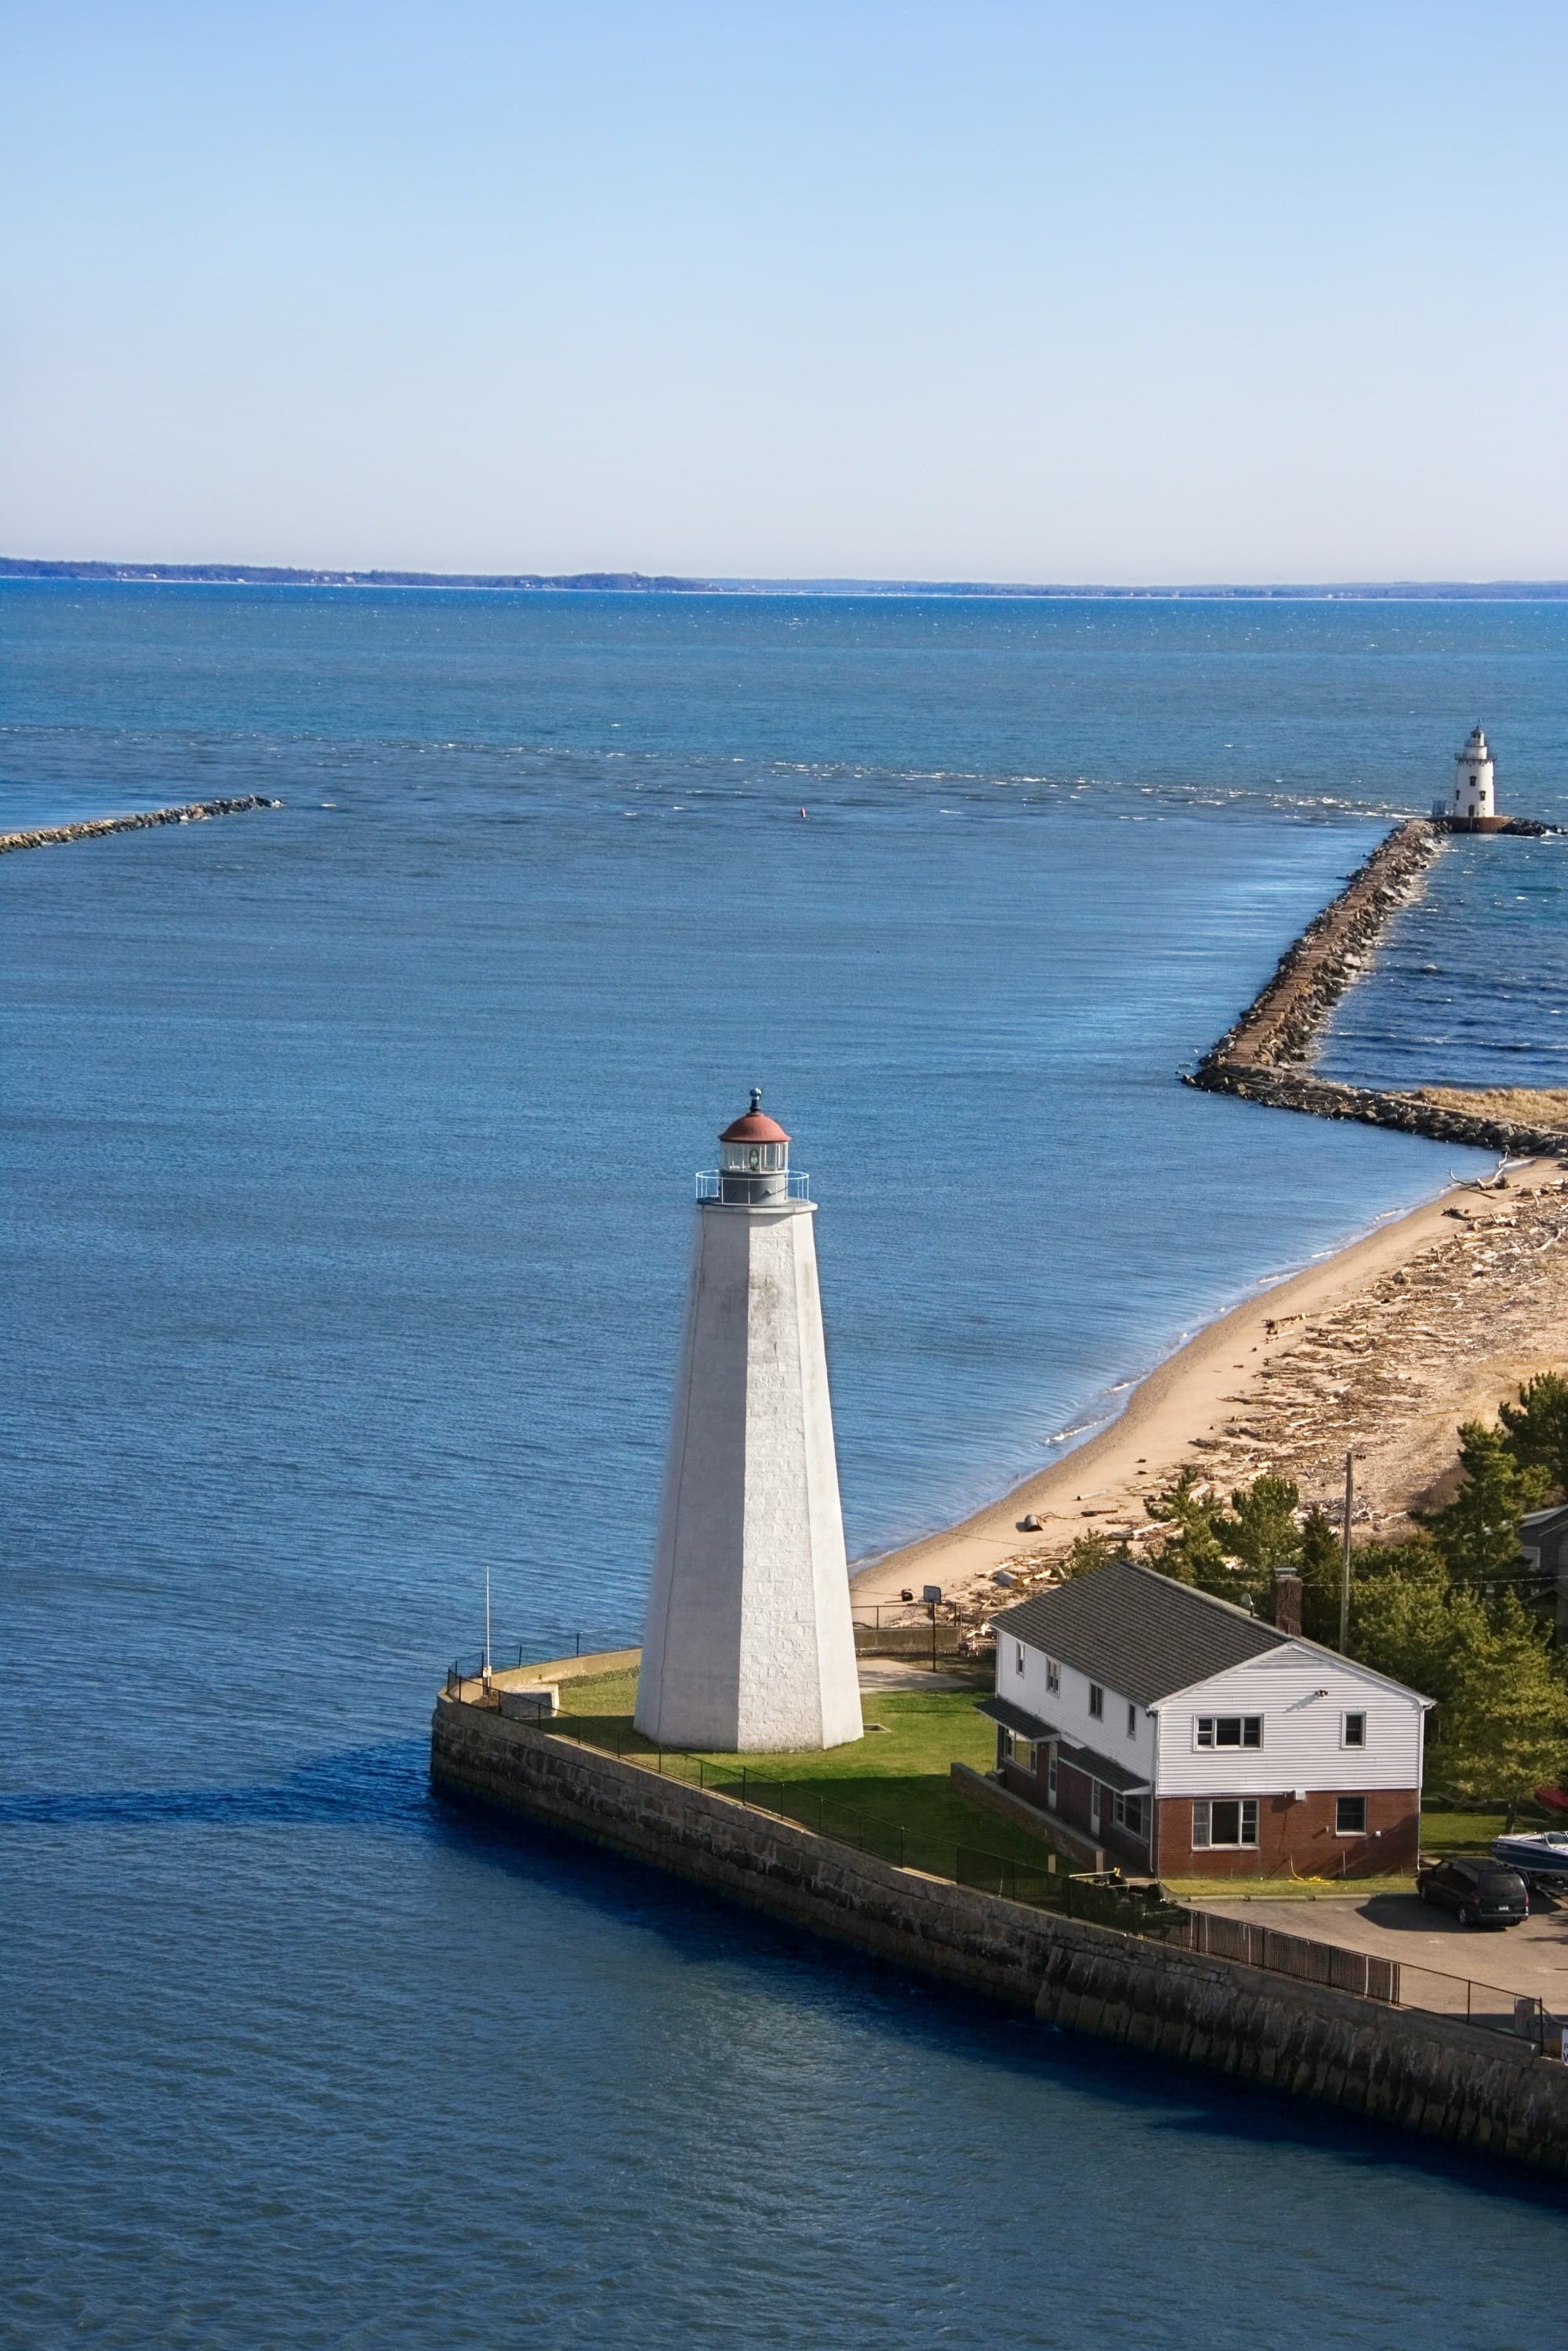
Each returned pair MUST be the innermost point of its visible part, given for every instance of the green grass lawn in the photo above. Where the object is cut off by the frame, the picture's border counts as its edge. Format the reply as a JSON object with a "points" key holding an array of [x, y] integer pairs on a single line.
{"points": [[895, 1778], [1445, 1832]]}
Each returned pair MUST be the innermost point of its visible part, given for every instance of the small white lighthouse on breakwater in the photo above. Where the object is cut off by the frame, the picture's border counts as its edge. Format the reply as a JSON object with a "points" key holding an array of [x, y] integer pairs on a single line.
{"points": [[1474, 792], [750, 1643]]}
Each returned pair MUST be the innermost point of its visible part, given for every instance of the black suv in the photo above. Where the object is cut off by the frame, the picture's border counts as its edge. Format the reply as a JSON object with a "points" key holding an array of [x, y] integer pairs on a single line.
{"points": [[1482, 1892]]}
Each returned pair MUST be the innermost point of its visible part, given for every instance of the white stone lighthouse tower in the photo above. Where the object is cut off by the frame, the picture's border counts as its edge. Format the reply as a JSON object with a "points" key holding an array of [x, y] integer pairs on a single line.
{"points": [[749, 1642], [1474, 792]]}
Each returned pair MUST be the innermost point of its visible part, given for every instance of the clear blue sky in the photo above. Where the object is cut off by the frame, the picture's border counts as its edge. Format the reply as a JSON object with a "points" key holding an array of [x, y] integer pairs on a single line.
{"points": [[1117, 291]]}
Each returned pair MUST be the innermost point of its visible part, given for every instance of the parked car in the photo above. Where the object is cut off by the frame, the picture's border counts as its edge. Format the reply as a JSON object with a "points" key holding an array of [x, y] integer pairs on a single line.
{"points": [[1480, 1892]]}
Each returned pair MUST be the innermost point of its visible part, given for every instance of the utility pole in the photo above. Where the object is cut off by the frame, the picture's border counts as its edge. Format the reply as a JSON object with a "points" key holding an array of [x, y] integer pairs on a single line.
{"points": [[1344, 1554], [485, 1684]]}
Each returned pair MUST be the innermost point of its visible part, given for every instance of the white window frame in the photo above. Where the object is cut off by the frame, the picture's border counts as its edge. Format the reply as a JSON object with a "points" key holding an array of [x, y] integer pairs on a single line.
{"points": [[1213, 1744], [1131, 1720], [1018, 1656], [1203, 1825], [1340, 1800], [1096, 1702], [1020, 1751], [1356, 1715], [1138, 1826], [1052, 1676]]}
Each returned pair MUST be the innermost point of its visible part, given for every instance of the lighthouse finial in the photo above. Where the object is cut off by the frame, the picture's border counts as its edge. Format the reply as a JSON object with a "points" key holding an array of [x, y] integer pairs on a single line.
{"points": [[756, 1098]]}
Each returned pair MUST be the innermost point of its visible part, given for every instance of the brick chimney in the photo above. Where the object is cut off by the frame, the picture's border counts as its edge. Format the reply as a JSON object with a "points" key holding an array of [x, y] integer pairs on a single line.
{"points": [[1287, 1604]]}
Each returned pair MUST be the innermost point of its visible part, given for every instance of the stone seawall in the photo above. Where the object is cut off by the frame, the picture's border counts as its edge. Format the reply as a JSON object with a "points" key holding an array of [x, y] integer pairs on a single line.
{"points": [[1261, 1057], [1416, 2072], [46, 836]]}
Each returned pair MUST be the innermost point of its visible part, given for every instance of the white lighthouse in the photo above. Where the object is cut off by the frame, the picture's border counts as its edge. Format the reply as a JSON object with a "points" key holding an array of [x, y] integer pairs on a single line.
{"points": [[1475, 781], [749, 1642]]}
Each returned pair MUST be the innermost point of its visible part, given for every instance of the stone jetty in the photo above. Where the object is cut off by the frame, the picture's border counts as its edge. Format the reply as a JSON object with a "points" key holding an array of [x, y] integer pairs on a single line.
{"points": [[1442, 2076], [46, 836], [1264, 1058]]}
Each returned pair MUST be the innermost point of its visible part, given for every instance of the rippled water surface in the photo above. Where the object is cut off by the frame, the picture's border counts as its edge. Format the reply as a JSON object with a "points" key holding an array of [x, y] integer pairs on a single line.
{"points": [[1471, 986], [349, 1153]]}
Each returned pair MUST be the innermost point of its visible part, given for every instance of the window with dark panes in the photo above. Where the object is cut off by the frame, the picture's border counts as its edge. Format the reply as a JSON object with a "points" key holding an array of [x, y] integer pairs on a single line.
{"points": [[1230, 1730], [1225, 1820]]}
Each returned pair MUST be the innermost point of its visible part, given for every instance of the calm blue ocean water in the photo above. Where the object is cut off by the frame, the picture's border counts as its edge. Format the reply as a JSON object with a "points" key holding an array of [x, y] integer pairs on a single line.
{"points": [[349, 1153]]}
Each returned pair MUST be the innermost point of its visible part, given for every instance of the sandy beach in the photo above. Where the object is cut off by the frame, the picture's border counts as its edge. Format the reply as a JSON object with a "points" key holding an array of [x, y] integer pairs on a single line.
{"points": [[1384, 1348]]}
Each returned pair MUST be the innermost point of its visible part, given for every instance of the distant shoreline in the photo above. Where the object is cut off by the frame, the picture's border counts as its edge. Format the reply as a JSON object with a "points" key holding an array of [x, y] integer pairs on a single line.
{"points": [[268, 575]]}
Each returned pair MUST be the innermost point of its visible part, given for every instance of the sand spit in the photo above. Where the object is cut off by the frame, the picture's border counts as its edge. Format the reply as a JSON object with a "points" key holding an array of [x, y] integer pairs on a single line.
{"points": [[46, 836], [1385, 1348], [1539, 1106]]}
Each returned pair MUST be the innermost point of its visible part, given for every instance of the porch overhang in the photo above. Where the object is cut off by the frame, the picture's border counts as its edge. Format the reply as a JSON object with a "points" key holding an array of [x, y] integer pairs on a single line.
{"points": [[1117, 1777], [1018, 1719]]}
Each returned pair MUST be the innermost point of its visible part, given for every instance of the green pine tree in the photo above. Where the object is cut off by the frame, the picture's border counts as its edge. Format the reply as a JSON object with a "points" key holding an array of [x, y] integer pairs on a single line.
{"points": [[1090, 1551], [1192, 1552], [1262, 1534], [1320, 1571], [1407, 1620], [1503, 1729], [1536, 1427], [1478, 1532]]}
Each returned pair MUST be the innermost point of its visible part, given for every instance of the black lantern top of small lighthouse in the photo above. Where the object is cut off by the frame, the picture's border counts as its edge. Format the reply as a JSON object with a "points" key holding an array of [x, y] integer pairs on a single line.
{"points": [[754, 1158]]}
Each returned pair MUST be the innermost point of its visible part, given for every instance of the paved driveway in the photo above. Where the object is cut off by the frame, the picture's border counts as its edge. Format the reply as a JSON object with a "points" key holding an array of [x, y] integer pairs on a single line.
{"points": [[1436, 1955]]}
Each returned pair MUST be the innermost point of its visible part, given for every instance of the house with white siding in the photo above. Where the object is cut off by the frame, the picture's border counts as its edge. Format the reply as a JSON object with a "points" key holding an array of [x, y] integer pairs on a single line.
{"points": [[1187, 1737]]}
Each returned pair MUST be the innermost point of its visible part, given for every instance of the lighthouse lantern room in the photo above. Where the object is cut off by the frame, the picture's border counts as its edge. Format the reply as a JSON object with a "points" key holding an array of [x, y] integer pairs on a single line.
{"points": [[753, 1158]]}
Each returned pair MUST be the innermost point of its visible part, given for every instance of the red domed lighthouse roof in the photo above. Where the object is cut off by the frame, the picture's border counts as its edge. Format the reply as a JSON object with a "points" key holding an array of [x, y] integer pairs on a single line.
{"points": [[754, 1125]]}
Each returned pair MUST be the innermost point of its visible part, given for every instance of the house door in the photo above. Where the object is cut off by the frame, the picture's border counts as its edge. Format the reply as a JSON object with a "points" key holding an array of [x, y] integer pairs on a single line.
{"points": [[1096, 1802]]}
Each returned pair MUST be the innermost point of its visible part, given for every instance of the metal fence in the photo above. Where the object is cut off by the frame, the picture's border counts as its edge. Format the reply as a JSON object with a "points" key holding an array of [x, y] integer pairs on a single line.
{"points": [[1398, 1983], [1465, 2001], [1293, 1955], [470, 1667]]}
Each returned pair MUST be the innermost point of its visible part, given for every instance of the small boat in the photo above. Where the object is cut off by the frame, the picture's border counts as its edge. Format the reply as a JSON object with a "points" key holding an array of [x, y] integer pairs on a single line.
{"points": [[1543, 1853], [1555, 1799]]}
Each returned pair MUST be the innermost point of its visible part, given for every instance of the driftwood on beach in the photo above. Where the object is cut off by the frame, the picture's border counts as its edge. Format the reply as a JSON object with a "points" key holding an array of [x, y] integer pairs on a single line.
{"points": [[46, 836], [1262, 1057]]}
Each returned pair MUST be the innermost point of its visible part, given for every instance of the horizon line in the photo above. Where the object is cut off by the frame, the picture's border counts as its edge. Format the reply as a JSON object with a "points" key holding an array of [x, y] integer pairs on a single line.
{"points": [[87, 570]]}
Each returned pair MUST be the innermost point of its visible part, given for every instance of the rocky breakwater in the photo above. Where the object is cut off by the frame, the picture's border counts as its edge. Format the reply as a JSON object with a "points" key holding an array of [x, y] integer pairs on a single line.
{"points": [[46, 836], [1264, 1057]]}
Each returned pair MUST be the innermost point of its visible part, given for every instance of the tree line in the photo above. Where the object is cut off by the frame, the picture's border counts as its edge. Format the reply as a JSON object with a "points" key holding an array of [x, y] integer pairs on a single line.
{"points": [[1440, 1612]]}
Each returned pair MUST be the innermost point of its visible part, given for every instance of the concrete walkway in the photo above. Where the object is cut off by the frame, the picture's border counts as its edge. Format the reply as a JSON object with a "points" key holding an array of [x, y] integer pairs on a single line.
{"points": [[901, 1674], [1532, 1958]]}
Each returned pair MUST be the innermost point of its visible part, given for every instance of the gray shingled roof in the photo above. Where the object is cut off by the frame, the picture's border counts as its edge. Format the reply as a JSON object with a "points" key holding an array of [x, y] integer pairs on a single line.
{"points": [[1137, 1632]]}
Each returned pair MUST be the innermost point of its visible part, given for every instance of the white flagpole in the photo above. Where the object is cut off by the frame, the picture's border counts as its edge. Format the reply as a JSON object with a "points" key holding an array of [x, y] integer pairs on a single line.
{"points": [[486, 1627]]}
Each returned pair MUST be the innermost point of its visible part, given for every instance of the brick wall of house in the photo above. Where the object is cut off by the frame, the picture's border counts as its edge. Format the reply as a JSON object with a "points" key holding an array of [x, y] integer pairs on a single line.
{"points": [[1074, 1804], [1295, 1835]]}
